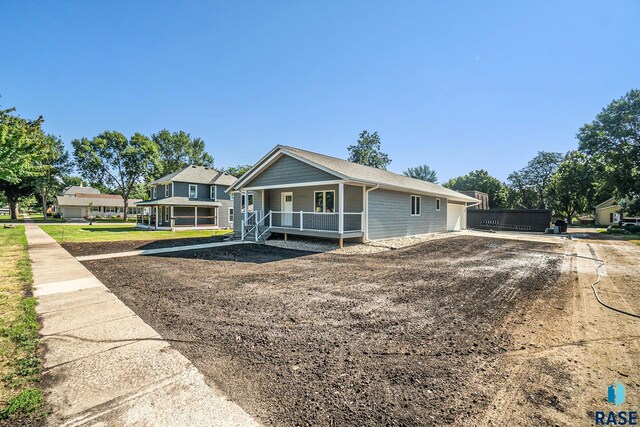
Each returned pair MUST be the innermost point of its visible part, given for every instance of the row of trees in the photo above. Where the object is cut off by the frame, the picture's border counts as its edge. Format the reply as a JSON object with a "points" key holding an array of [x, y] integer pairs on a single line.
{"points": [[35, 163], [606, 164]]}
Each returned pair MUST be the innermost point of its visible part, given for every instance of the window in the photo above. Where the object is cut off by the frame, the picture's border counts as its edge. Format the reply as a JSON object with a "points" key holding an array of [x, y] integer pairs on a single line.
{"points": [[324, 201], [166, 214], [437, 204], [212, 192], [153, 192], [230, 216], [415, 205], [166, 190], [193, 191]]}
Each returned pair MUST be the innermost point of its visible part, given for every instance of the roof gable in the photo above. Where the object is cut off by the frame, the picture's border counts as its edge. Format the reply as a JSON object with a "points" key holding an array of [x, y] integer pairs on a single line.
{"points": [[285, 169]]}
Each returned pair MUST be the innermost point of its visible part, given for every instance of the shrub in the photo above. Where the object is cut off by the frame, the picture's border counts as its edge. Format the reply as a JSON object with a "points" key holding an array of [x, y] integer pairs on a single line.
{"points": [[616, 230]]}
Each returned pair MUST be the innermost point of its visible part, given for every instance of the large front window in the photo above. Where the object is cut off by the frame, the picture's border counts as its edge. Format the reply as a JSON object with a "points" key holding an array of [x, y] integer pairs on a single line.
{"points": [[193, 191], [324, 201]]}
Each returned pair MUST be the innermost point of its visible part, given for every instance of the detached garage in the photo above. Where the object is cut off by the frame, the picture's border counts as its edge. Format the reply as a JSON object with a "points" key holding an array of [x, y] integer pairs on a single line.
{"points": [[456, 217]]}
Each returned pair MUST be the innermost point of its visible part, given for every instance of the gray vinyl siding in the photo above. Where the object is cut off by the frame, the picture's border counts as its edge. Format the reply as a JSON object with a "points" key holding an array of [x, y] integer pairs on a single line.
{"points": [[238, 215], [223, 214], [390, 215], [182, 190], [287, 170], [220, 194]]}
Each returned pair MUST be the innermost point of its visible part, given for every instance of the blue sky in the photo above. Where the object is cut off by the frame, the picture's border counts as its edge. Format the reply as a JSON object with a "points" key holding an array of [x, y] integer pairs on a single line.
{"points": [[456, 85]]}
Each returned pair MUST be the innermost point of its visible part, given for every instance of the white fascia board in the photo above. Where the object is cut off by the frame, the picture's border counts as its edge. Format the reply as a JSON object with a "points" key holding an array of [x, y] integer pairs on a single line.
{"points": [[295, 185]]}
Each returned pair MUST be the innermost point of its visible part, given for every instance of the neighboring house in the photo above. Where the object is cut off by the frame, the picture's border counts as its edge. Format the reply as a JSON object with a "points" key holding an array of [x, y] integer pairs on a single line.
{"points": [[483, 198], [193, 197], [81, 202], [610, 212], [294, 191]]}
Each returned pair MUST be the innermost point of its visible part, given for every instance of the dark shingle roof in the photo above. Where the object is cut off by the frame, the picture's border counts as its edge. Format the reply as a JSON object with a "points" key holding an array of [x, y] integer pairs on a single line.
{"points": [[198, 175]]}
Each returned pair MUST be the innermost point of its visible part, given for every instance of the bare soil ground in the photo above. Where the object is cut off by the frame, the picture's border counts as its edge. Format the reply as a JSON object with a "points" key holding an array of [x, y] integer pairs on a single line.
{"points": [[417, 336], [95, 248]]}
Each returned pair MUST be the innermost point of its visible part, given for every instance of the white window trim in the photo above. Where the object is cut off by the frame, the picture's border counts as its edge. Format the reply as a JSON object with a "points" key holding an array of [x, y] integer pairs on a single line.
{"points": [[438, 204], [154, 192], [213, 192], [166, 214], [230, 214], [166, 191], [196, 192], [413, 207], [250, 194], [324, 200]]}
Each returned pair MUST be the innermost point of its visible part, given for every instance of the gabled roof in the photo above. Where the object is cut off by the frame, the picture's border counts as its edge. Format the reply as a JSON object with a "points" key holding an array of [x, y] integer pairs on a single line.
{"points": [[74, 189], [350, 171], [608, 203], [198, 175]]}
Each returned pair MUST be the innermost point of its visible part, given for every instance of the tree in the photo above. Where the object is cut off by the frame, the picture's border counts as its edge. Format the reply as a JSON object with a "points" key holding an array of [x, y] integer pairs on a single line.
{"points": [[20, 142], [237, 171], [480, 180], [178, 150], [571, 190], [15, 192], [423, 172], [55, 165], [117, 162], [367, 151], [530, 184], [613, 142]]}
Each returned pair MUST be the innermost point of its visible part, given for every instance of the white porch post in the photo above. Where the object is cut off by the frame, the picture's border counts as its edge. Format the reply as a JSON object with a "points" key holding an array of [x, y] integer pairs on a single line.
{"points": [[149, 218], [246, 206], [195, 222], [301, 220], [341, 208], [157, 210], [137, 209], [172, 219]]}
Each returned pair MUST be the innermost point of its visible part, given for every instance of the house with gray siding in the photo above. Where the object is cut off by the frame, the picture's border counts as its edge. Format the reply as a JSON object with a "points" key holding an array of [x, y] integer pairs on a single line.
{"points": [[193, 197], [293, 191]]}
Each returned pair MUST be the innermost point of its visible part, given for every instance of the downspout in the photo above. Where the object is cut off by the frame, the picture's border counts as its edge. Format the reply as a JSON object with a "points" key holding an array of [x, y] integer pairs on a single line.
{"points": [[366, 211]]}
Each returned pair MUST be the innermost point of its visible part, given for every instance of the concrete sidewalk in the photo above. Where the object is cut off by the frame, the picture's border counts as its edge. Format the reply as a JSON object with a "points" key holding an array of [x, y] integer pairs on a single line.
{"points": [[103, 365]]}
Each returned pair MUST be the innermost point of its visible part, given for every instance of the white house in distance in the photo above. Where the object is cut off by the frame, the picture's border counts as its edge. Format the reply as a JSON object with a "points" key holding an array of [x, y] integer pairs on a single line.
{"points": [[80, 202]]}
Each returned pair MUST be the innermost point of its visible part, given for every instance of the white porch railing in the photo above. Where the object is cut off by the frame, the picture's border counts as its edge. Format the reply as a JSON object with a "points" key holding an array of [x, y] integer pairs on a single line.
{"points": [[316, 221]]}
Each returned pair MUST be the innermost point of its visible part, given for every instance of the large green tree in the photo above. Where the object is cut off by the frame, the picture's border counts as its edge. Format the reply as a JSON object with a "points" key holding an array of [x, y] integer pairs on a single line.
{"points": [[613, 142], [116, 162], [367, 151], [480, 180], [55, 165], [529, 186], [572, 187], [20, 143], [178, 150], [422, 172], [16, 193]]}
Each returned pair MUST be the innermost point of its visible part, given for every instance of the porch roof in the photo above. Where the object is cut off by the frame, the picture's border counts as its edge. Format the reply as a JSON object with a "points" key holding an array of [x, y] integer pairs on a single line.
{"points": [[179, 201]]}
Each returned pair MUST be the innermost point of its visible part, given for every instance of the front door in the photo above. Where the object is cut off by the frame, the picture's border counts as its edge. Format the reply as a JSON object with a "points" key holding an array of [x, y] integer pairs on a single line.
{"points": [[287, 209]]}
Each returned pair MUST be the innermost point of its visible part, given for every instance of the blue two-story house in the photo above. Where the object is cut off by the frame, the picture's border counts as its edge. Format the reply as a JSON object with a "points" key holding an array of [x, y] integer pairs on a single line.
{"points": [[193, 197]]}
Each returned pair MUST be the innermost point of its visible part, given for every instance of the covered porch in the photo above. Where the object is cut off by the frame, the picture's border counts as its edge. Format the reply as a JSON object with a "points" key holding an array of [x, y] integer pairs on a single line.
{"points": [[331, 210], [164, 215]]}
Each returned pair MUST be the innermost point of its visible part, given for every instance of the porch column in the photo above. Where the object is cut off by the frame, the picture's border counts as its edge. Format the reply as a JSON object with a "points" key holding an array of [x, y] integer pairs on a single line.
{"points": [[172, 220], [137, 208], [196, 217], [341, 208], [149, 218], [157, 210]]}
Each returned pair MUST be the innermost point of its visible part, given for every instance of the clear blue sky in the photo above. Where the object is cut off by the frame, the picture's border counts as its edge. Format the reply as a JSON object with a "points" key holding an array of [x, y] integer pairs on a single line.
{"points": [[456, 85]]}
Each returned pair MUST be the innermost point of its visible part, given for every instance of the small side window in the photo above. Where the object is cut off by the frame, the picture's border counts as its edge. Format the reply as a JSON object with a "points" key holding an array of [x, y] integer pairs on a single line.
{"points": [[416, 205], [154, 192], [437, 204]]}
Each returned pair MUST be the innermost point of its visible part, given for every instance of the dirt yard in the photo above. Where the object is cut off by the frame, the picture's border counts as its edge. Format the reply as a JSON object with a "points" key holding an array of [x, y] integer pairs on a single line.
{"points": [[95, 248], [415, 336]]}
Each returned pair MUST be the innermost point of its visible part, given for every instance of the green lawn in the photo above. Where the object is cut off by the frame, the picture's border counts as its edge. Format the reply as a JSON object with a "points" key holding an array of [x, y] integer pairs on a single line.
{"points": [[34, 217], [20, 364], [113, 232]]}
